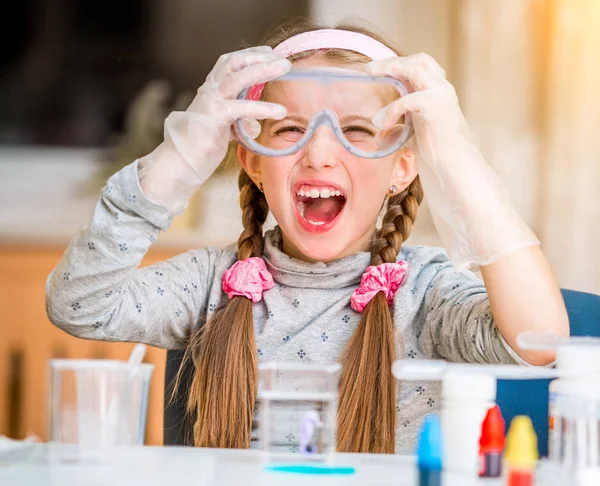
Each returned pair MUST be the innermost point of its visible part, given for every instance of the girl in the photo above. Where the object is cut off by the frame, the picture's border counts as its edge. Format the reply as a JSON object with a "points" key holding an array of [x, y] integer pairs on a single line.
{"points": [[326, 284]]}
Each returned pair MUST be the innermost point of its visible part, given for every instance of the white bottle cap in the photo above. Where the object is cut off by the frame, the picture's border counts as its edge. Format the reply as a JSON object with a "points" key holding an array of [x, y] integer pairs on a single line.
{"points": [[578, 357], [468, 385]]}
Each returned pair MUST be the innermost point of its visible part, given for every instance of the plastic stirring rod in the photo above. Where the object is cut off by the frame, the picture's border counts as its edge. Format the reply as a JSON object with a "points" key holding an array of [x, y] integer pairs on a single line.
{"points": [[546, 341], [427, 370], [135, 359], [137, 354], [539, 340], [431, 370]]}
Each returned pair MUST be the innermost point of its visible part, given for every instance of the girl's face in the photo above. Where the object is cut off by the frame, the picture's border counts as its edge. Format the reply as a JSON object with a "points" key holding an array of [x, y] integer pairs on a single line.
{"points": [[325, 199]]}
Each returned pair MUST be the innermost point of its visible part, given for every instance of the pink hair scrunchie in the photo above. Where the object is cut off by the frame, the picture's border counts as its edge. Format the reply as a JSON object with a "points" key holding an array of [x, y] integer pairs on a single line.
{"points": [[385, 278], [248, 278]]}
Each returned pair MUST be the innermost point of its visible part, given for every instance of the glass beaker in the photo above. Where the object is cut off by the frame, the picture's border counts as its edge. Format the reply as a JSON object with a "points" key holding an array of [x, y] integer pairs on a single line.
{"points": [[96, 404], [298, 411]]}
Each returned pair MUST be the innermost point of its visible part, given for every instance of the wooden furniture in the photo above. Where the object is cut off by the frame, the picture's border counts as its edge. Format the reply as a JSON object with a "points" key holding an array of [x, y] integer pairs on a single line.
{"points": [[28, 340]]}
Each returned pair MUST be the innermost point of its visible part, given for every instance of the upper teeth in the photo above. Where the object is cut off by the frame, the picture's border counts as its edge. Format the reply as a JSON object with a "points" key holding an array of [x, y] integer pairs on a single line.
{"points": [[314, 192]]}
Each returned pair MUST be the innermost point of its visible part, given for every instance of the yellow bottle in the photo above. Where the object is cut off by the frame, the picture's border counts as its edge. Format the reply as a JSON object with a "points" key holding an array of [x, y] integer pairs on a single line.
{"points": [[521, 452]]}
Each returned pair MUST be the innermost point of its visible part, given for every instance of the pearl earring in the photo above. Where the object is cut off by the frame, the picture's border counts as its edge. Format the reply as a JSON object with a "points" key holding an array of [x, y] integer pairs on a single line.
{"points": [[392, 190]]}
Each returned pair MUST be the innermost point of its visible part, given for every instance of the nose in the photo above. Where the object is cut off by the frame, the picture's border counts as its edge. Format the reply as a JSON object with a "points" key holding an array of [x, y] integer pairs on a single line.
{"points": [[321, 149]]}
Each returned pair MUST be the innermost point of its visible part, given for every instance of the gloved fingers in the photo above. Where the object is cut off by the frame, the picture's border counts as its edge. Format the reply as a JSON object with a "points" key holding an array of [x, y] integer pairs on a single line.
{"points": [[429, 63], [258, 110], [237, 62], [225, 113], [389, 115], [261, 72], [439, 102], [234, 61], [419, 102], [413, 71], [253, 127]]}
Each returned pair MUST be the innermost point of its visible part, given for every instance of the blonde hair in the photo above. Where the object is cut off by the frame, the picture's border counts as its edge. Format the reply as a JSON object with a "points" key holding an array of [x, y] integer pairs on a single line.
{"points": [[223, 391]]}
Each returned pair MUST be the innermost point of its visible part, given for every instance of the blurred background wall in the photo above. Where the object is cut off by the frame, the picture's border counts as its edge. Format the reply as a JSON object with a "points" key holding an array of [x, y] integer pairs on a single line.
{"points": [[85, 87]]}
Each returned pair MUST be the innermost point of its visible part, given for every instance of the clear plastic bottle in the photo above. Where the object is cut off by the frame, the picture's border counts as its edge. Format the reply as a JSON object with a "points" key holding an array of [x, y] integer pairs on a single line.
{"points": [[574, 405]]}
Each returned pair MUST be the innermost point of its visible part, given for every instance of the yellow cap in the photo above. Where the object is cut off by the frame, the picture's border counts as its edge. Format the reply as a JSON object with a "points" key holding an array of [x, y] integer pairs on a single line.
{"points": [[521, 443]]}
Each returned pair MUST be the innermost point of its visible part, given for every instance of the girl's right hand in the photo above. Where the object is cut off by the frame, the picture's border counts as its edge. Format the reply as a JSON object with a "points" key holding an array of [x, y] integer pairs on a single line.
{"points": [[196, 140]]}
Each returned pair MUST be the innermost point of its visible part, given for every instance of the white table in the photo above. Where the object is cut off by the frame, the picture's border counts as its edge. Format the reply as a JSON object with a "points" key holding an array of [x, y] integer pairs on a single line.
{"points": [[178, 466]]}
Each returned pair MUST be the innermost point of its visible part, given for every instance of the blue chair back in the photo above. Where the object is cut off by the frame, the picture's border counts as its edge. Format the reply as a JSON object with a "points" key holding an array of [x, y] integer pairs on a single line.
{"points": [[530, 397]]}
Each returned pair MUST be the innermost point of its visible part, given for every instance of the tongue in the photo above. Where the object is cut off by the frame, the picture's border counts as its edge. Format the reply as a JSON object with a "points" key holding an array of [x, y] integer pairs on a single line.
{"points": [[320, 210]]}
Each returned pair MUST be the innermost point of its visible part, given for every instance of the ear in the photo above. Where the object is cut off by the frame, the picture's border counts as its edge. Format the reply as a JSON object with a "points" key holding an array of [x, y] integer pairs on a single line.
{"points": [[405, 169], [250, 163]]}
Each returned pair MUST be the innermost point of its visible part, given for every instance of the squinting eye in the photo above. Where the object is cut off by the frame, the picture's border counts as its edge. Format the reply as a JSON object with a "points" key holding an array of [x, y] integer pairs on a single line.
{"points": [[289, 129], [355, 128]]}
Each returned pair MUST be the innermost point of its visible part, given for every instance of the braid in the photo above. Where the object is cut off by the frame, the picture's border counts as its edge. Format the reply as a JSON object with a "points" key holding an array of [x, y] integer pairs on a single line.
{"points": [[254, 214], [397, 224], [223, 390], [367, 406]]}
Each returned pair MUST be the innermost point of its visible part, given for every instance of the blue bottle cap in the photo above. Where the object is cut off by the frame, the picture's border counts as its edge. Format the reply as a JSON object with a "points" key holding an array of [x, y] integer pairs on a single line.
{"points": [[430, 444]]}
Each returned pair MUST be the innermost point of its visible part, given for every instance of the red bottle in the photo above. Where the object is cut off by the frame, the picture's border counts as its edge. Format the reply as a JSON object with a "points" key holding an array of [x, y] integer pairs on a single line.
{"points": [[491, 444]]}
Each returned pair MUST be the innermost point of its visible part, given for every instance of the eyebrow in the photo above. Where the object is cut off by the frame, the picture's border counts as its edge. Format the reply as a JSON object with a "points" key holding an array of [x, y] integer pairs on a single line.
{"points": [[293, 118], [301, 119]]}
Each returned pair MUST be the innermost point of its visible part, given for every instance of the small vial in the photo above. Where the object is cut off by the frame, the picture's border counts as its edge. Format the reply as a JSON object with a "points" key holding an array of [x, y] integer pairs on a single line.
{"points": [[430, 452], [521, 453], [491, 444]]}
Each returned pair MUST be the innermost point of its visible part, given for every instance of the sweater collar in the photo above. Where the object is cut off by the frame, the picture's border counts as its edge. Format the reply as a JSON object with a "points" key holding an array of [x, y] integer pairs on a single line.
{"points": [[292, 272]]}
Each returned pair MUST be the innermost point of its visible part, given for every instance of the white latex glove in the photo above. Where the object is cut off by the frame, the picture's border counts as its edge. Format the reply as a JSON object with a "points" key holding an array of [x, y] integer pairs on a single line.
{"points": [[470, 206], [196, 140]]}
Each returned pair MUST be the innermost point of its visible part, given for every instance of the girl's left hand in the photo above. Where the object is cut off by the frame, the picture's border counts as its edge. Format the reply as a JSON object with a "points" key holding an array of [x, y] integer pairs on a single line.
{"points": [[433, 103], [471, 208]]}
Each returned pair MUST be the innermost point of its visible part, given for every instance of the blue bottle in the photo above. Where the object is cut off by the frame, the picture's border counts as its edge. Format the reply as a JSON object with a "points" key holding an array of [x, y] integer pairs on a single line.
{"points": [[429, 451]]}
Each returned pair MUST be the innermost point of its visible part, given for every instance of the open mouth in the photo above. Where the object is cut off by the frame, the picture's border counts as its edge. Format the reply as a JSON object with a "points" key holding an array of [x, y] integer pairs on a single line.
{"points": [[319, 207]]}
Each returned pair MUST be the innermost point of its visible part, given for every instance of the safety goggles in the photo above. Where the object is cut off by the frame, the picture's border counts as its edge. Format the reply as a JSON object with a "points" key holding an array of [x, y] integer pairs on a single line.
{"points": [[343, 100]]}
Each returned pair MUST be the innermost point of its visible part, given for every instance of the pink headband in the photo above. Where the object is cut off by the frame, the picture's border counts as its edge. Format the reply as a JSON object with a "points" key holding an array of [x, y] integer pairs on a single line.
{"points": [[327, 39], [334, 39]]}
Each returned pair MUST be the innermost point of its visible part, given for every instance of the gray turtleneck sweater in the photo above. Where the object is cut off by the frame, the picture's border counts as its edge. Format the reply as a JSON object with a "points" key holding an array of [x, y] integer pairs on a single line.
{"points": [[98, 292]]}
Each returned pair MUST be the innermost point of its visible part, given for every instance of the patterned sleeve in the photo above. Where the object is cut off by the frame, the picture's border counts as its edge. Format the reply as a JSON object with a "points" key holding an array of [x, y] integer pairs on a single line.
{"points": [[456, 318], [97, 290]]}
